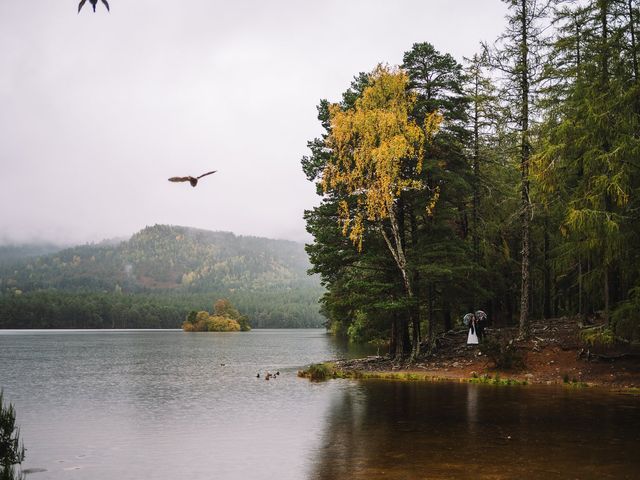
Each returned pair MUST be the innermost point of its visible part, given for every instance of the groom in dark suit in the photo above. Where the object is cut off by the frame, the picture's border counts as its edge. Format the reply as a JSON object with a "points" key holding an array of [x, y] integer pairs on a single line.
{"points": [[481, 323]]}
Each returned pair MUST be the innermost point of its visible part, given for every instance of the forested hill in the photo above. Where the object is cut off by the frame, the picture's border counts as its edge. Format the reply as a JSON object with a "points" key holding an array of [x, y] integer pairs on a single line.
{"points": [[173, 266], [166, 257]]}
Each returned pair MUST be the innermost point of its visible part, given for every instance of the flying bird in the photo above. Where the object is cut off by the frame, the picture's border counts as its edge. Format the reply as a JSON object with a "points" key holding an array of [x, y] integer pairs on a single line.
{"points": [[93, 4], [192, 180]]}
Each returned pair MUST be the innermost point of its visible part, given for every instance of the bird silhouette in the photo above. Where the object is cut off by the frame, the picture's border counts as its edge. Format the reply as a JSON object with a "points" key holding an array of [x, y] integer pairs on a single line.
{"points": [[93, 4], [192, 180]]}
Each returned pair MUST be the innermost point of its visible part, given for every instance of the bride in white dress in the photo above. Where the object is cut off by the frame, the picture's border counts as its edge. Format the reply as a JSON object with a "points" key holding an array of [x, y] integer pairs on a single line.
{"points": [[472, 337]]}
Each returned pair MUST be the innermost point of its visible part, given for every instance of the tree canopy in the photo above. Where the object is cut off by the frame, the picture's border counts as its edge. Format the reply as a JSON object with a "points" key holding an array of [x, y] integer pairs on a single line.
{"points": [[508, 184]]}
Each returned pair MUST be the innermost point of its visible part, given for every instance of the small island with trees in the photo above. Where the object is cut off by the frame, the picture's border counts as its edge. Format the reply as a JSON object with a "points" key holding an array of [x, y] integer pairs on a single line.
{"points": [[225, 318]]}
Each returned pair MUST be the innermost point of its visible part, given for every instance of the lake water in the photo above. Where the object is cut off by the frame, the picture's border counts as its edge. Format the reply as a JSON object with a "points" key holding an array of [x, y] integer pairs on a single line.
{"points": [[171, 405]]}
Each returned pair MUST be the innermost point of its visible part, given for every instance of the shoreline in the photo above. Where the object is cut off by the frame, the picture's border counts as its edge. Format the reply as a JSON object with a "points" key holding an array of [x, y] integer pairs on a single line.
{"points": [[553, 355], [351, 369]]}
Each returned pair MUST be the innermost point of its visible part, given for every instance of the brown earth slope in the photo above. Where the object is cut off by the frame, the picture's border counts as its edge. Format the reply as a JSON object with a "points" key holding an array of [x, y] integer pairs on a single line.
{"points": [[553, 354]]}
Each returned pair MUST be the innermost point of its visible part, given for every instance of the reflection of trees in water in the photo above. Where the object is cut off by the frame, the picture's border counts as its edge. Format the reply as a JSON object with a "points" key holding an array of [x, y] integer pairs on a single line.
{"points": [[346, 349], [341, 442], [385, 430]]}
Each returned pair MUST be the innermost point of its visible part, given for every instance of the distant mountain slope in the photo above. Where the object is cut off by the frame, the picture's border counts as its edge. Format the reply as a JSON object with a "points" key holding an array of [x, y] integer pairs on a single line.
{"points": [[166, 257], [11, 254], [156, 277]]}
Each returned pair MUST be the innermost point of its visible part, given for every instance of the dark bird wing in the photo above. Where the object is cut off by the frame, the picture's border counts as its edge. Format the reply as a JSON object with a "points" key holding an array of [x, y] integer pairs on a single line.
{"points": [[106, 4], [82, 2], [180, 179], [208, 173]]}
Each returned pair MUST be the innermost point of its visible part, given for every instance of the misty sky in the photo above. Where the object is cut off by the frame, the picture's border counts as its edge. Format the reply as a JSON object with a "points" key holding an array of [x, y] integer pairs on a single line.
{"points": [[98, 110]]}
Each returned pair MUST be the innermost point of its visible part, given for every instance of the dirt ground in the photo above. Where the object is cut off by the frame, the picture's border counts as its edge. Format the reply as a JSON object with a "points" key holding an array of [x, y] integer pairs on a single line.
{"points": [[554, 354]]}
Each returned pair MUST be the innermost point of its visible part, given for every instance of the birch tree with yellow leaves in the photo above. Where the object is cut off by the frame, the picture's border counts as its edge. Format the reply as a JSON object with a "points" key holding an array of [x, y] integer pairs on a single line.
{"points": [[378, 151]]}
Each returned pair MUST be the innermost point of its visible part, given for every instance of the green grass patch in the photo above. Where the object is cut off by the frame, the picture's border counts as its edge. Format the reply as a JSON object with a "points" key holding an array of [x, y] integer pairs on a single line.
{"points": [[319, 372], [572, 382], [489, 380], [325, 371]]}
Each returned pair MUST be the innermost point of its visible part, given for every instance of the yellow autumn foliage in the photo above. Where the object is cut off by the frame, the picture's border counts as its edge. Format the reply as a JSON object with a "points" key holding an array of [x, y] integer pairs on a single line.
{"points": [[375, 144], [222, 324], [188, 327], [197, 324], [225, 319]]}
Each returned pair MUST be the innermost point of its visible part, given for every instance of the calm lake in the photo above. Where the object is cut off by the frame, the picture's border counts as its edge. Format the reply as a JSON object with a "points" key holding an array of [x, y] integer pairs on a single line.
{"points": [[171, 405]]}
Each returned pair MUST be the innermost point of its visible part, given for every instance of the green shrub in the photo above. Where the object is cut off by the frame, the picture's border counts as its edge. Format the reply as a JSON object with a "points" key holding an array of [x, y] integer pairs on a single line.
{"points": [[11, 450], [597, 337], [626, 318], [225, 319], [244, 324], [319, 372]]}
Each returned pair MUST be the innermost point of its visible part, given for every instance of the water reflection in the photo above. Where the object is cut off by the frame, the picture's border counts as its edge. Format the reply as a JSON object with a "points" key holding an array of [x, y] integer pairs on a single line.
{"points": [[161, 405], [384, 430], [131, 405]]}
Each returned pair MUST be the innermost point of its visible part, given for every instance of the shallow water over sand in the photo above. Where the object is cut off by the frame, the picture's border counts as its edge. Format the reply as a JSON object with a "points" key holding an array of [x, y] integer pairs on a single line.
{"points": [[167, 405]]}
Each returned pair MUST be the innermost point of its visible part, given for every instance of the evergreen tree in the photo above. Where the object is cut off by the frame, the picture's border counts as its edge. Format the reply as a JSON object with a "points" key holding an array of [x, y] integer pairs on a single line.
{"points": [[518, 57], [437, 79], [588, 159]]}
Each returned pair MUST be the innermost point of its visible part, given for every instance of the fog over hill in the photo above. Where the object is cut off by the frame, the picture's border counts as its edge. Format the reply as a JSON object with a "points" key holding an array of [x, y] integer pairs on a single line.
{"points": [[13, 253]]}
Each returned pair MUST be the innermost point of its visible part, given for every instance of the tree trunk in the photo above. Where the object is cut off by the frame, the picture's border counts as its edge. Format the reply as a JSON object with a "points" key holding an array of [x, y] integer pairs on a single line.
{"points": [[393, 341], [447, 316], [396, 247], [580, 308], [606, 295], [476, 179], [476, 190], [556, 297], [547, 272], [415, 275], [588, 304], [524, 164], [401, 344], [604, 54], [402, 338], [634, 56], [397, 251], [432, 320], [578, 52]]}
